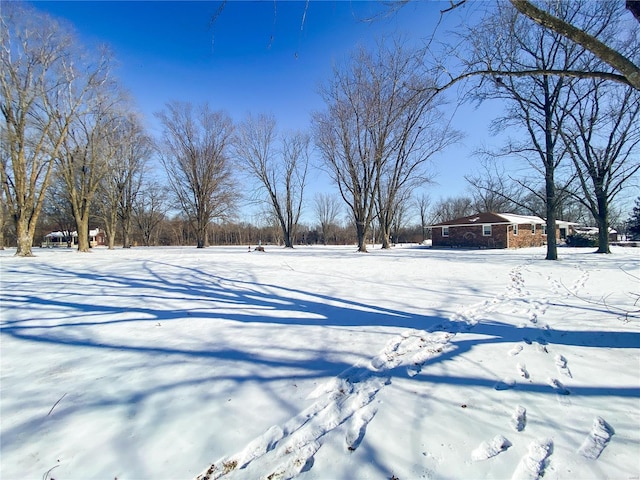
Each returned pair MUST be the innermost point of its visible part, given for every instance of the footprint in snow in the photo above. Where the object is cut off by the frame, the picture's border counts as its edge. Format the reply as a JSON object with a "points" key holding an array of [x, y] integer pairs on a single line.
{"points": [[522, 370], [301, 461], [561, 364], [519, 418], [533, 464], [490, 449], [515, 350], [598, 438], [505, 384], [562, 392], [357, 426]]}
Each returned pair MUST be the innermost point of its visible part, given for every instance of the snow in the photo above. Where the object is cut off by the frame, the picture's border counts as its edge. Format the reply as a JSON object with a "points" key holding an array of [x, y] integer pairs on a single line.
{"points": [[520, 219], [319, 363]]}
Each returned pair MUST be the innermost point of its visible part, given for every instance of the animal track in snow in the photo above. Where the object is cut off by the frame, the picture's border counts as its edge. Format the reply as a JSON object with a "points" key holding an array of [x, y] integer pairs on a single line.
{"points": [[519, 418], [532, 465], [580, 282], [598, 438], [490, 449]]}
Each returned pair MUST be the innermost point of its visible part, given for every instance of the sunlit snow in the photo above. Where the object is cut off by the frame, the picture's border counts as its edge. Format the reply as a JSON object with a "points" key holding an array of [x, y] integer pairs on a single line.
{"points": [[319, 363]]}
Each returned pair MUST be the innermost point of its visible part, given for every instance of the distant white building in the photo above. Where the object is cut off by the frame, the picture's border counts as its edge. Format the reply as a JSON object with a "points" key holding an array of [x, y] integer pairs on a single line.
{"points": [[70, 239]]}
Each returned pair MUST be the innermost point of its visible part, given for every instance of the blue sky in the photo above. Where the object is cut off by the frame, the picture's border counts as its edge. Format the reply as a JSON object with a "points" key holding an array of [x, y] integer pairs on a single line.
{"points": [[259, 57]]}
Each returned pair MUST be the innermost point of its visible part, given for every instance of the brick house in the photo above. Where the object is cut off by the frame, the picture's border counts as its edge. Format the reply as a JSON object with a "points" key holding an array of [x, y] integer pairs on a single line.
{"points": [[490, 230]]}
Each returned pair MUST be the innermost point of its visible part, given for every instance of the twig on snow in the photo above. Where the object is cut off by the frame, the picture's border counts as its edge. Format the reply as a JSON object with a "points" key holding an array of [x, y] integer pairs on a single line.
{"points": [[627, 315], [46, 475], [54, 405]]}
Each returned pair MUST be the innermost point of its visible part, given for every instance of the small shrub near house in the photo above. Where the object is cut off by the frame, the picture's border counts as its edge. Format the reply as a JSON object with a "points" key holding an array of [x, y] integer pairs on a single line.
{"points": [[579, 240]]}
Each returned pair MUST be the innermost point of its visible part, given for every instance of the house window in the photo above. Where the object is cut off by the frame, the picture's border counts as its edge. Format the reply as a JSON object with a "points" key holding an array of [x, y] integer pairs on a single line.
{"points": [[445, 231], [533, 228], [486, 230], [544, 228], [515, 229]]}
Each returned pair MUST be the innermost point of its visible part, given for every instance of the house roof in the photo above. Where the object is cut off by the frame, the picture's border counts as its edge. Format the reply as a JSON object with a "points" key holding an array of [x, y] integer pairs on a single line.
{"points": [[92, 233], [491, 219]]}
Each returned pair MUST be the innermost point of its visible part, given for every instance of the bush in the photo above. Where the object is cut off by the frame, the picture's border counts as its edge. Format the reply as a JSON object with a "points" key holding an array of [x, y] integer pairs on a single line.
{"points": [[581, 241]]}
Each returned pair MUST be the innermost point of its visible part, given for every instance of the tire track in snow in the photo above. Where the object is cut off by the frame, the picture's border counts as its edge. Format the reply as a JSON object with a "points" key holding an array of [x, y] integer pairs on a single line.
{"points": [[283, 452]]}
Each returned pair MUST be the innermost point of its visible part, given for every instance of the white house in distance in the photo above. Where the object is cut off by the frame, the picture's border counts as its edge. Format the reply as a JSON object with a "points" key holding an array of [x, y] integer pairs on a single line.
{"points": [[70, 239]]}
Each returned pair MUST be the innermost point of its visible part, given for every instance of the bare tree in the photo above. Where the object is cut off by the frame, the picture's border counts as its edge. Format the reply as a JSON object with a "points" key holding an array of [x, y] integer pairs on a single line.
{"points": [[537, 103], [400, 210], [86, 155], [493, 190], [414, 127], [423, 203], [341, 135], [121, 185], [451, 208], [378, 132], [57, 209], [603, 140], [327, 209], [610, 57], [149, 210], [627, 71], [194, 152], [281, 172], [44, 83]]}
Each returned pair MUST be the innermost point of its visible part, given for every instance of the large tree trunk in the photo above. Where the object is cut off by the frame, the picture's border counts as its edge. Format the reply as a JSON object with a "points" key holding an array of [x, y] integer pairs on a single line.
{"points": [[603, 225], [361, 232], [83, 234], [24, 239], [552, 242], [201, 234]]}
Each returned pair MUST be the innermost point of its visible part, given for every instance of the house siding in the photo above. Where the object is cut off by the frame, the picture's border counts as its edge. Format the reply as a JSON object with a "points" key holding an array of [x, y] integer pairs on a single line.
{"points": [[502, 236], [525, 238], [470, 236]]}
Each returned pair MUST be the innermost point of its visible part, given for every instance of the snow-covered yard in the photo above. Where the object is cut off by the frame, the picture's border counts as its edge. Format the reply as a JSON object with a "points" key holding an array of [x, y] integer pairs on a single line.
{"points": [[319, 363]]}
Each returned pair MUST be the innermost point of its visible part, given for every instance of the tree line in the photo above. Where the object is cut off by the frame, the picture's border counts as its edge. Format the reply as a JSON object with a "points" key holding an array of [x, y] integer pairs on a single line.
{"points": [[74, 153]]}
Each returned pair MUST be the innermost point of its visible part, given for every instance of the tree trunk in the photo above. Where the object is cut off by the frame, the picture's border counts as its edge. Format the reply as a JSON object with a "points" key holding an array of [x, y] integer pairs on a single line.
{"points": [[126, 233], [603, 225], [385, 235], [361, 232], [111, 224], [83, 235], [552, 242], [24, 240], [1, 220], [126, 227]]}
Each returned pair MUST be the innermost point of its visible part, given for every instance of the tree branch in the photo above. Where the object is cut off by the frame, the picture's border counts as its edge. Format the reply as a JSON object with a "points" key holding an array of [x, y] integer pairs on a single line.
{"points": [[629, 70]]}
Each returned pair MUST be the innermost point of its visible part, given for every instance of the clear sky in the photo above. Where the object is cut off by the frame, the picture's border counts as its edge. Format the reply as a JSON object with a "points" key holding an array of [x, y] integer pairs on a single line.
{"points": [[267, 56]]}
